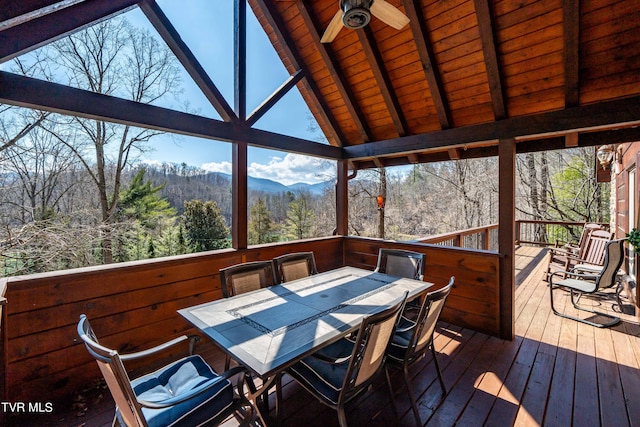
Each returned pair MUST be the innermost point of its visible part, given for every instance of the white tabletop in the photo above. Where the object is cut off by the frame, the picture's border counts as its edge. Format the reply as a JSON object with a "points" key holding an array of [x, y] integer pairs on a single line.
{"points": [[269, 329]]}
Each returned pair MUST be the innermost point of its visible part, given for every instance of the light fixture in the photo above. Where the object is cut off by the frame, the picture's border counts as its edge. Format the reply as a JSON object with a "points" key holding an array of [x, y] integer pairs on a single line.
{"points": [[355, 13], [380, 200], [605, 155]]}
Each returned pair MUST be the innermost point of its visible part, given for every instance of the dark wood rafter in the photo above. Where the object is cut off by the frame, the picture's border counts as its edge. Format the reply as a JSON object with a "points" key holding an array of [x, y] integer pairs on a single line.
{"points": [[571, 32], [16, 9], [171, 37], [485, 26], [588, 139], [240, 59], [35, 33], [383, 81], [291, 53], [41, 95], [262, 109], [427, 58], [336, 74], [606, 114]]}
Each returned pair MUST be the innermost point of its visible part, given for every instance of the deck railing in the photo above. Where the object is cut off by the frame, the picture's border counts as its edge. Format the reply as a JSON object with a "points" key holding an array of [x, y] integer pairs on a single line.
{"points": [[534, 232], [134, 304]]}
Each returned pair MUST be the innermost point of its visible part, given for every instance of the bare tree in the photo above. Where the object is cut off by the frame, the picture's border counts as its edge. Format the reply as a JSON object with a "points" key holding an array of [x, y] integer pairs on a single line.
{"points": [[116, 59]]}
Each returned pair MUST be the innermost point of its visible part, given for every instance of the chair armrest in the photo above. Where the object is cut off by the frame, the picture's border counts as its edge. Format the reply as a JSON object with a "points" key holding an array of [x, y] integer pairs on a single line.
{"points": [[328, 359], [405, 324], [571, 274], [161, 347]]}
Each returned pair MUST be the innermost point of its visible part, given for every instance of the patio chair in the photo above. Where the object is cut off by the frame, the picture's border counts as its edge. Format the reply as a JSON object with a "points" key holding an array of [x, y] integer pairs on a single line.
{"points": [[580, 284], [295, 266], [592, 254], [185, 392], [411, 342], [578, 249], [402, 263], [246, 277], [335, 382]]}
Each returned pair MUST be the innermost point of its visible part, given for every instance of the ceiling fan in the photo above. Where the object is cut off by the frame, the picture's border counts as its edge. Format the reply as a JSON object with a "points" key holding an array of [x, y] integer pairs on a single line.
{"points": [[354, 14]]}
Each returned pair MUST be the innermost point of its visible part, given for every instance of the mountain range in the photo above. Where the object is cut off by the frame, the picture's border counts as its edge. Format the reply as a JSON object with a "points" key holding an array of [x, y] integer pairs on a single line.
{"points": [[269, 186]]}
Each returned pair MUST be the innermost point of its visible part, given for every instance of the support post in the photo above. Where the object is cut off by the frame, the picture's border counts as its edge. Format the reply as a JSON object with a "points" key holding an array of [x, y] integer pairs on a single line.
{"points": [[506, 234], [342, 197], [239, 216]]}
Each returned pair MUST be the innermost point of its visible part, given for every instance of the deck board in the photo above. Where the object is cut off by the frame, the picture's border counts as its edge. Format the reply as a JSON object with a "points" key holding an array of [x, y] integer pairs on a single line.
{"points": [[555, 372]]}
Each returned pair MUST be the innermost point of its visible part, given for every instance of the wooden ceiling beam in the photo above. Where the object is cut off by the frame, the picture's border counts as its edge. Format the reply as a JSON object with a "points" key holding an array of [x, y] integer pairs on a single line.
{"points": [[589, 139], [274, 98], [369, 45], [606, 114], [42, 95], [571, 32], [332, 128], [169, 34], [571, 140], [427, 58], [494, 76], [336, 74], [32, 34]]}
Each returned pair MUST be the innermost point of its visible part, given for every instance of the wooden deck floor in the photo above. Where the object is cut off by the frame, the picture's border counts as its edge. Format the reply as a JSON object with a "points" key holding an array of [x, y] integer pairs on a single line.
{"points": [[556, 372]]}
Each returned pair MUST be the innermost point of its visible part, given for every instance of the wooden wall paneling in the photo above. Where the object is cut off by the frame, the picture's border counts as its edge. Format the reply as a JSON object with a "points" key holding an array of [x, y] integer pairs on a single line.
{"points": [[132, 306]]}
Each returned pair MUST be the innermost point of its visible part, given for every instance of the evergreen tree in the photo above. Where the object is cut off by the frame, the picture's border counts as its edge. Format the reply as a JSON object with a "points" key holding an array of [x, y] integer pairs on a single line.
{"points": [[300, 217], [204, 226], [261, 228], [143, 202]]}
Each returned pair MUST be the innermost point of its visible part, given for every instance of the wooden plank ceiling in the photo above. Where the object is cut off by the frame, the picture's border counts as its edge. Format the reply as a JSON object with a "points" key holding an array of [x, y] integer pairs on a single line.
{"points": [[459, 64], [462, 75]]}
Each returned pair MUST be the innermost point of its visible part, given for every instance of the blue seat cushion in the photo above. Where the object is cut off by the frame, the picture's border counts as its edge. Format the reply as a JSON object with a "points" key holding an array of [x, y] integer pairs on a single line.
{"points": [[320, 377], [177, 379], [400, 341]]}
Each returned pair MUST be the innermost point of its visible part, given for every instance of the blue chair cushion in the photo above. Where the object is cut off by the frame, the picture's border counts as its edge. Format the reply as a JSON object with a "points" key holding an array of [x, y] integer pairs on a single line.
{"points": [[400, 341], [173, 381], [321, 377]]}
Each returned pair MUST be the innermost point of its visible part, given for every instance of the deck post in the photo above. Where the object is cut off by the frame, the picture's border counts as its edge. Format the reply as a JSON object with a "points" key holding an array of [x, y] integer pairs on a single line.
{"points": [[342, 194], [506, 235]]}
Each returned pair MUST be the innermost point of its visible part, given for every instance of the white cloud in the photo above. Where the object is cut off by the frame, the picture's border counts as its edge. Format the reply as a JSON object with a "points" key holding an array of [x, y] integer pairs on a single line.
{"points": [[290, 169], [223, 167]]}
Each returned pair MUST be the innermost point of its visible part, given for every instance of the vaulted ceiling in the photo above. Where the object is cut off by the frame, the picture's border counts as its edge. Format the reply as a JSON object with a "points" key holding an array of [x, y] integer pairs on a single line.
{"points": [[462, 75]]}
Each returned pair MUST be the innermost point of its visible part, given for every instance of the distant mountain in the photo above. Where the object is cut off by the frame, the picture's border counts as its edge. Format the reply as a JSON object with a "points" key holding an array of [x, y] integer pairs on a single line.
{"points": [[269, 186]]}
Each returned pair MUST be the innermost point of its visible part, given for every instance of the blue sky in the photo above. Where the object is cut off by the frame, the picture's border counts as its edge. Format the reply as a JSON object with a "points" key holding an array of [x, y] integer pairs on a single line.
{"points": [[207, 28]]}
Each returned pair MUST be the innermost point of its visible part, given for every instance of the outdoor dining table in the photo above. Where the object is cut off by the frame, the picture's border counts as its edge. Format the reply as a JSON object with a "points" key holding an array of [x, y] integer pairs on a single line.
{"points": [[270, 329]]}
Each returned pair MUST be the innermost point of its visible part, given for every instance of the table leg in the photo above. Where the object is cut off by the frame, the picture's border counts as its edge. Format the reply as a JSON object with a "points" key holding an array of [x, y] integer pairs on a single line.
{"points": [[257, 394]]}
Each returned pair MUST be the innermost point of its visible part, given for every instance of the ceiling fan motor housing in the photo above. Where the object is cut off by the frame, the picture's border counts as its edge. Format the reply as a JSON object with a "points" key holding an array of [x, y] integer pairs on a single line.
{"points": [[355, 13]]}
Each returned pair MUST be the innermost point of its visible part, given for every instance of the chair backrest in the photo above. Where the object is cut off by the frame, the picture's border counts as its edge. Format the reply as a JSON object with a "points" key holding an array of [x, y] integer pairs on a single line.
{"points": [[114, 374], [595, 247], [246, 277], [401, 263], [426, 321], [370, 349], [614, 255], [584, 237], [295, 266]]}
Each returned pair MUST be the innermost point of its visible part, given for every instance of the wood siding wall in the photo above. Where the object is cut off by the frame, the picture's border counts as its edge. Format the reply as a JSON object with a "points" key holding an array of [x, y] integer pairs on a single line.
{"points": [[131, 306], [474, 302]]}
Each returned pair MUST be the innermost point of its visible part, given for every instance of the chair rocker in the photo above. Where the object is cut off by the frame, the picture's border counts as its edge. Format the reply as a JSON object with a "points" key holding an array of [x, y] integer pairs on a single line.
{"points": [[186, 392], [579, 284], [412, 340], [335, 382]]}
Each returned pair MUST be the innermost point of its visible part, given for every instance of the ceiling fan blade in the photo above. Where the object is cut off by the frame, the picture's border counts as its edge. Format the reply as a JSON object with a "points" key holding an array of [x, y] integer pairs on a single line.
{"points": [[333, 28], [389, 14]]}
